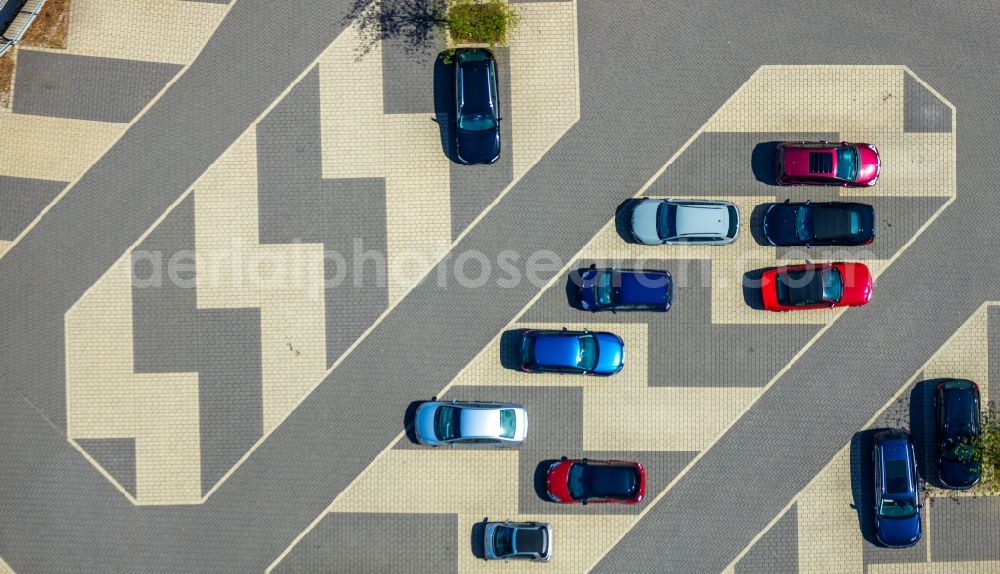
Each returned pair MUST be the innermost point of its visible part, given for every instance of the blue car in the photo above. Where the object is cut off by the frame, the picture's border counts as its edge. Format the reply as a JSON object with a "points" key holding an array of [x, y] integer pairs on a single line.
{"points": [[625, 290], [578, 352], [897, 490]]}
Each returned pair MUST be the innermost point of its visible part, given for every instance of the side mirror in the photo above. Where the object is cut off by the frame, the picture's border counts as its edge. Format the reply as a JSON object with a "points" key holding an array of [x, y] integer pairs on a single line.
{"points": [[593, 266], [584, 502], [808, 201], [789, 200], [452, 445]]}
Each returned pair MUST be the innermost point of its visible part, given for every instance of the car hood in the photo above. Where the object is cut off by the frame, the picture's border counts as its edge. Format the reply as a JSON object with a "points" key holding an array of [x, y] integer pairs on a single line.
{"points": [[899, 531], [557, 481], [779, 224], [871, 164], [857, 283], [423, 423], [478, 147], [957, 474], [644, 222], [611, 353]]}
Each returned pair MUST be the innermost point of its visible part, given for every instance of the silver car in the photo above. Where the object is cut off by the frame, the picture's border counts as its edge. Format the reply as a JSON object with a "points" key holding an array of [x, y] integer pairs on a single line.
{"points": [[518, 540], [463, 422], [656, 221]]}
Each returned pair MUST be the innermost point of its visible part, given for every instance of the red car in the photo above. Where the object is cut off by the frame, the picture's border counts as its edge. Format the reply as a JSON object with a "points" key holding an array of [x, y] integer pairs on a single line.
{"points": [[597, 481], [816, 286], [824, 163]]}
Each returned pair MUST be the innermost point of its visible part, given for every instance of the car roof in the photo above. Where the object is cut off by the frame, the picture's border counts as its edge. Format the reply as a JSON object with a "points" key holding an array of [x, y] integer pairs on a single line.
{"points": [[636, 288], [530, 539], [613, 480], [480, 422], [701, 219], [960, 406], [557, 349]]}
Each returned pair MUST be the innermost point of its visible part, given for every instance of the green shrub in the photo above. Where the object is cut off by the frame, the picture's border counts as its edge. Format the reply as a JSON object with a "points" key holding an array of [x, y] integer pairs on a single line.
{"points": [[987, 450], [481, 21]]}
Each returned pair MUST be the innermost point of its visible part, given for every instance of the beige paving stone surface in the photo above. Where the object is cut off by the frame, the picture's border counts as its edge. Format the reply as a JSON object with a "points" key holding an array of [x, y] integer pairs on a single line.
{"points": [[545, 99], [4, 568], [105, 398], [169, 31], [4, 246], [57, 149], [828, 533]]}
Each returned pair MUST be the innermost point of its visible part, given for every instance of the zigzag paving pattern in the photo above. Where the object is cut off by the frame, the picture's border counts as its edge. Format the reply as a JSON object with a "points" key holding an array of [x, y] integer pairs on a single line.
{"points": [[833, 537], [280, 256], [72, 104], [688, 373]]}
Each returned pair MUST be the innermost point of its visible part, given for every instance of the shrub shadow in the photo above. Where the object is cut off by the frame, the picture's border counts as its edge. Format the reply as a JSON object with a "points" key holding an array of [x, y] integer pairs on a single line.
{"points": [[757, 223], [923, 429], [510, 349], [863, 483], [413, 23], [623, 223], [444, 105], [541, 473], [477, 542], [762, 162], [408, 416], [751, 289]]}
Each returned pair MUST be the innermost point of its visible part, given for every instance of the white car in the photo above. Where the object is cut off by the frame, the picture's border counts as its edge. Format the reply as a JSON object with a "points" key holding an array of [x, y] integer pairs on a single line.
{"points": [[518, 540], [656, 221], [438, 423]]}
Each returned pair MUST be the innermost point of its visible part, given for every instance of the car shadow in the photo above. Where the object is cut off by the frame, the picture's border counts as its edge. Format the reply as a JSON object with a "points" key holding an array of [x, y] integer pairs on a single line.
{"points": [[477, 542], [623, 223], [757, 224], [541, 474], [762, 162], [444, 104], [573, 281], [863, 483], [751, 289], [408, 416], [923, 429], [510, 349]]}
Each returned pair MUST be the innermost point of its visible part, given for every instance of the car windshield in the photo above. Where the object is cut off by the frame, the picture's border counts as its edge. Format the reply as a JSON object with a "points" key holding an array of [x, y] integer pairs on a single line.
{"points": [[903, 508], [476, 122], [447, 423], [847, 163], [507, 423], [833, 285], [804, 223], [578, 481], [588, 353], [604, 291], [503, 541], [666, 220]]}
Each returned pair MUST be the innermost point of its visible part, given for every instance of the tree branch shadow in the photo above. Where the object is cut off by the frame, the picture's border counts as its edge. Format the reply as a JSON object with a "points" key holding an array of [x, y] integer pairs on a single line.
{"points": [[413, 23]]}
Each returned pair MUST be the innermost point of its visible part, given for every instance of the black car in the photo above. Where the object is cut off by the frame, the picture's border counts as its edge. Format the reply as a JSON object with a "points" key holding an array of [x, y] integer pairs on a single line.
{"points": [[958, 425], [829, 223], [477, 107]]}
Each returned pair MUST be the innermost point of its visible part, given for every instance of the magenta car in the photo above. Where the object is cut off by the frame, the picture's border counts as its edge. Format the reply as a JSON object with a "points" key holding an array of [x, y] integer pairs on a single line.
{"points": [[824, 163]]}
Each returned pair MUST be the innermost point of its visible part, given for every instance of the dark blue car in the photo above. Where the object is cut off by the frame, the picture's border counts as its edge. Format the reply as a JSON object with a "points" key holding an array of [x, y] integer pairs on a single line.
{"points": [[625, 290], [897, 490], [578, 352], [477, 107], [827, 223], [958, 426]]}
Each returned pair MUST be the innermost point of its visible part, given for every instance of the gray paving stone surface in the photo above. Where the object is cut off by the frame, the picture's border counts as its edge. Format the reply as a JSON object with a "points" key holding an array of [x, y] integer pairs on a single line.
{"points": [[358, 543], [965, 529], [86, 87], [922, 110], [21, 200], [171, 335], [346, 215], [115, 455], [777, 551]]}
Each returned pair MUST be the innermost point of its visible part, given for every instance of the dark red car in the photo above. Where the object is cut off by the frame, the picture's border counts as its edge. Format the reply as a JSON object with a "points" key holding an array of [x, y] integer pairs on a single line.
{"points": [[816, 286], [824, 163], [597, 481]]}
